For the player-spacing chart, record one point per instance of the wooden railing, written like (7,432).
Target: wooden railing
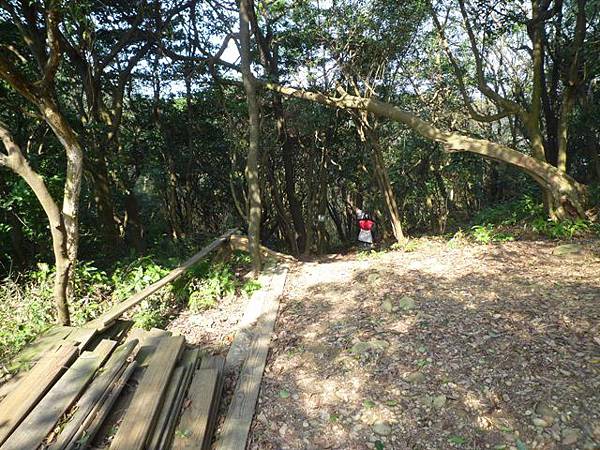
(105,320)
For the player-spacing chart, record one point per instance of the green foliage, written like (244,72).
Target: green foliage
(251,286)
(27,305)
(457,440)
(486,234)
(566,229)
(457,240)
(136,276)
(523,214)
(26,310)
(407,246)
(511,213)
(217,282)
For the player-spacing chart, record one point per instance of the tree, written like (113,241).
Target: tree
(43,42)
(543,108)
(252,174)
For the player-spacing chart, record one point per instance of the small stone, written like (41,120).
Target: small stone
(283,429)
(567,249)
(305,424)
(544,410)
(360,347)
(406,303)
(387,305)
(415,377)
(378,344)
(382,428)
(439,401)
(570,436)
(540,422)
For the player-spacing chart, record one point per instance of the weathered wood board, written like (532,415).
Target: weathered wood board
(32,387)
(143,411)
(195,428)
(236,427)
(36,426)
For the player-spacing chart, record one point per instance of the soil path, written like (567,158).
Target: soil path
(473,347)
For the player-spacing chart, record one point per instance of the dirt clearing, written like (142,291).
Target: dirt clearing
(473,347)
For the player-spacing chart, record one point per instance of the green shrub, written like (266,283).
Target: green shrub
(566,229)
(251,286)
(457,240)
(512,213)
(218,282)
(485,234)
(407,246)
(526,213)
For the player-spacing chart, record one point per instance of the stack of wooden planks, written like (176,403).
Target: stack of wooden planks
(145,390)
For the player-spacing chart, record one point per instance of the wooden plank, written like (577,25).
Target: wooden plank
(236,427)
(32,388)
(217,362)
(116,331)
(135,428)
(81,337)
(94,421)
(94,394)
(149,340)
(36,426)
(195,429)
(115,312)
(238,351)
(189,363)
(43,343)
(168,405)
(172,405)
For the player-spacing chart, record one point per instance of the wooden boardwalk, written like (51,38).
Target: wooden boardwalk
(65,398)
(134,389)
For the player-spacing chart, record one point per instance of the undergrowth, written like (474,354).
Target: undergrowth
(524,217)
(27,306)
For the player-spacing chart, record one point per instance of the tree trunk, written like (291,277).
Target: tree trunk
(284,221)
(367,135)
(104,203)
(388,193)
(134,229)
(72,190)
(252,175)
(290,176)
(15,161)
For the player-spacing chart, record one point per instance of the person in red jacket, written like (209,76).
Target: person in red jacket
(365,225)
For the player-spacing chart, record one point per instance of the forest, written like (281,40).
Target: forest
(134,133)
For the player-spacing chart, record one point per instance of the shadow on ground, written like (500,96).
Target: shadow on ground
(477,347)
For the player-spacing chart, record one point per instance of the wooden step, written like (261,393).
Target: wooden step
(32,387)
(136,427)
(196,427)
(33,430)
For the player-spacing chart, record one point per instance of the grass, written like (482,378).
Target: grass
(27,306)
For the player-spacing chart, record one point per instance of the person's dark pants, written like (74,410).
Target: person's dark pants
(365,245)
